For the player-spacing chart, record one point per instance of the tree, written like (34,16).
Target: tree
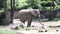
(6,13)
(51,16)
(12,10)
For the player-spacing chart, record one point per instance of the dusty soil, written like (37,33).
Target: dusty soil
(37,29)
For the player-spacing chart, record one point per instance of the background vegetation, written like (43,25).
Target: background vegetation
(42,5)
(36,4)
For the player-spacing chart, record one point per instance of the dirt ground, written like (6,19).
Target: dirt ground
(49,26)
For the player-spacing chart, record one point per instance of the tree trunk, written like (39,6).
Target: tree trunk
(51,16)
(6,13)
(12,10)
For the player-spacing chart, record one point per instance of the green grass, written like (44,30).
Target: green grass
(24,29)
(6,31)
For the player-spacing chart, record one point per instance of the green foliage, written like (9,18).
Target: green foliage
(32,2)
(48,0)
(8,4)
(45,0)
(2,10)
(57,7)
(18,4)
(23,7)
(36,4)
(47,8)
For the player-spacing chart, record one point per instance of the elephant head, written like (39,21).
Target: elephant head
(35,13)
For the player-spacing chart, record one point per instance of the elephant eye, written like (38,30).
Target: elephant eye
(36,11)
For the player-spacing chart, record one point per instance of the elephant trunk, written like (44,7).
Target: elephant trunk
(40,20)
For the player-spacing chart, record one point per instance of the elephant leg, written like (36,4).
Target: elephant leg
(23,21)
(29,22)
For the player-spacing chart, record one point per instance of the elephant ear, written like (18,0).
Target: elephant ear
(33,13)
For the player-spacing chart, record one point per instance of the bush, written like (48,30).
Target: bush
(57,7)
(23,7)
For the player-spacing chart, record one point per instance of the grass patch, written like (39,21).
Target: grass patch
(29,28)
(46,20)
(6,31)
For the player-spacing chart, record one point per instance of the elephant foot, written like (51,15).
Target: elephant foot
(22,26)
(28,25)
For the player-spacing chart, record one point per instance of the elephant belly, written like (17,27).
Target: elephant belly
(25,17)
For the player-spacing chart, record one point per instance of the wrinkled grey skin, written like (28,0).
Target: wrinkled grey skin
(27,15)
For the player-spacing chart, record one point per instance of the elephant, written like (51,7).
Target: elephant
(28,15)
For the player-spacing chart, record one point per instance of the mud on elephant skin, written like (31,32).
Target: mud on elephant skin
(27,15)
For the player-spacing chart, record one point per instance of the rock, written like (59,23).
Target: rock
(33,26)
(27,29)
(15,28)
(45,30)
(40,31)
(57,30)
(21,26)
